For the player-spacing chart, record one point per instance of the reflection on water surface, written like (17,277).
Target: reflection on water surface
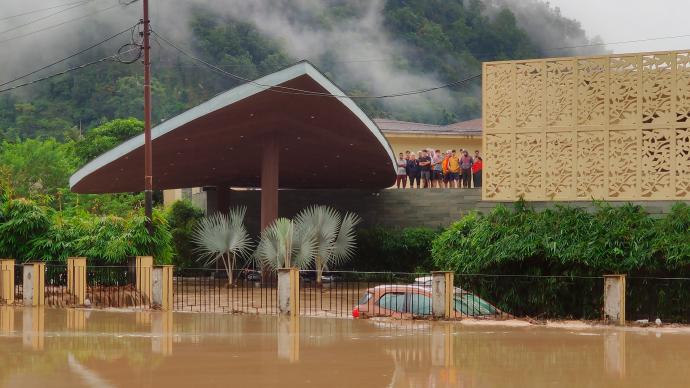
(80,348)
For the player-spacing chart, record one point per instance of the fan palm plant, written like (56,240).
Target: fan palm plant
(333,236)
(223,237)
(284,244)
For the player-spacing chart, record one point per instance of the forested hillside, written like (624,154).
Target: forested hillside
(441,40)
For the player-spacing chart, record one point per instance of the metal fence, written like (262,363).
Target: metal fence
(209,290)
(341,291)
(649,298)
(527,296)
(114,286)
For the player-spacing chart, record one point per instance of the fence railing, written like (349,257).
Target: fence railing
(525,296)
(403,295)
(649,298)
(341,291)
(209,290)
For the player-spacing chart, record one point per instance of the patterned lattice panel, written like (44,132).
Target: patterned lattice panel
(607,127)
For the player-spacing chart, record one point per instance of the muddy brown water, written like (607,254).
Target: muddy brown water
(80,348)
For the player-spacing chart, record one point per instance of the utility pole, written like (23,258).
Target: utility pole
(148,158)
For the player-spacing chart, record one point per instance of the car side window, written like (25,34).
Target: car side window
(419,304)
(393,301)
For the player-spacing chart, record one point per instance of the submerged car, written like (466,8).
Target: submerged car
(407,301)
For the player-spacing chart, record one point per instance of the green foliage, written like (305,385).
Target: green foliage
(21,221)
(564,241)
(285,244)
(182,219)
(106,136)
(29,231)
(394,249)
(38,166)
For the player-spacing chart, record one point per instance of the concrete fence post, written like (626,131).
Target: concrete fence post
(614,298)
(7,281)
(288,291)
(76,279)
(162,293)
(442,294)
(142,267)
(34,284)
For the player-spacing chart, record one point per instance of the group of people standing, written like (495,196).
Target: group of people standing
(431,168)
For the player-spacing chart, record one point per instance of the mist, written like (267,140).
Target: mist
(359,49)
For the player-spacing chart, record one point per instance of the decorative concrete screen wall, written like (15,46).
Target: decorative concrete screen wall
(611,127)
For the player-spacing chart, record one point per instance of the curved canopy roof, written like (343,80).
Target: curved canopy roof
(324,142)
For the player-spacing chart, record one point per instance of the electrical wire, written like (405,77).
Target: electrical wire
(46,17)
(40,10)
(71,56)
(60,24)
(114,57)
(295,91)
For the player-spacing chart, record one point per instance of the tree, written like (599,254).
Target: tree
(333,236)
(38,166)
(223,237)
(106,136)
(284,244)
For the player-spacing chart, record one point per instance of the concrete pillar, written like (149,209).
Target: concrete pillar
(7,281)
(142,268)
(33,286)
(270,170)
(162,292)
(76,279)
(442,298)
(614,299)
(288,291)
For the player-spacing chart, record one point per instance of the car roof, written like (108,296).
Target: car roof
(399,288)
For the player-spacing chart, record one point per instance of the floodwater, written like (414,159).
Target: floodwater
(80,348)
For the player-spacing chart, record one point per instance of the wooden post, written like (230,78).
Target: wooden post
(7,281)
(76,279)
(33,286)
(163,287)
(442,294)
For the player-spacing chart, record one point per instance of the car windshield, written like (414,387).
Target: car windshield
(365,298)
(472,305)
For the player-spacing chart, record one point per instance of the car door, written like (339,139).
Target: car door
(392,304)
(418,304)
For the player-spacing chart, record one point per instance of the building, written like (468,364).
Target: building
(406,136)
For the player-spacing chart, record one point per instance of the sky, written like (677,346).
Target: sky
(625,20)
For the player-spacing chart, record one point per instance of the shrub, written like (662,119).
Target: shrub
(182,218)
(564,241)
(391,249)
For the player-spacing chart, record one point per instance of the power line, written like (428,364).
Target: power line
(71,56)
(619,42)
(40,10)
(59,24)
(69,70)
(45,17)
(295,91)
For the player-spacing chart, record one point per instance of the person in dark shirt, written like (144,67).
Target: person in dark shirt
(425,168)
(413,171)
